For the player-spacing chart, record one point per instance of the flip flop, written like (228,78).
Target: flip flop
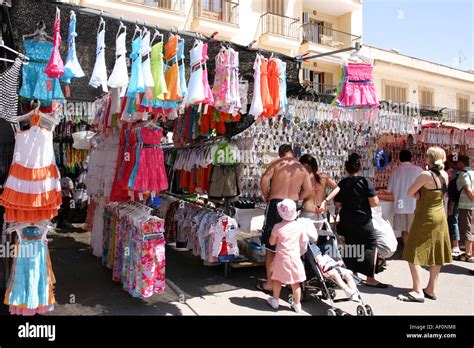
(379,285)
(408,297)
(431,297)
(260,287)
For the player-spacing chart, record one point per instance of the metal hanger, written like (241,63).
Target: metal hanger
(155,35)
(40,33)
(101,25)
(137,30)
(121,26)
(2,45)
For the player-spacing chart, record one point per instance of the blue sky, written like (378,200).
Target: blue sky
(435,30)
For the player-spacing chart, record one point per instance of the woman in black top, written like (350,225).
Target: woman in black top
(356,197)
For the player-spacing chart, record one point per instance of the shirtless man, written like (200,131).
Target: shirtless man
(289,180)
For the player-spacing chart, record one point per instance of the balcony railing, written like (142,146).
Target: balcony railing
(170,5)
(219,10)
(324,88)
(448,115)
(329,37)
(276,24)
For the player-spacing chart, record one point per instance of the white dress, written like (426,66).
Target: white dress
(99,74)
(256,108)
(146,66)
(119,76)
(196,84)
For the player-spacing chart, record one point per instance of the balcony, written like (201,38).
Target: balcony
(333,7)
(450,115)
(279,33)
(169,5)
(335,39)
(220,16)
(324,89)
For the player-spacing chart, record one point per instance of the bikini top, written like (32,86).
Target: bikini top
(444,187)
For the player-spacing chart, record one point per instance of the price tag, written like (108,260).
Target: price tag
(49,85)
(67,90)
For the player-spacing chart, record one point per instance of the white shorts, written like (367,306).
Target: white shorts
(402,222)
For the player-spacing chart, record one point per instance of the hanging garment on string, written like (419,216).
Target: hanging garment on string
(264,89)
(35,82)
(137,84)
(119,76)
(9,83)
(33,189)
(99,74)
(72,68)
(256,108)
(160,87)
(55,67)
(196,93)
(172,71)
(357,89)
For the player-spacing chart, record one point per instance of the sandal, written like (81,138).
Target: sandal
(260,287)
(431,297)
(410,297)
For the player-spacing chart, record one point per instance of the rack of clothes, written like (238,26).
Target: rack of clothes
(134,248)
(270,89)
(140,163)
(210,168)
(206,231)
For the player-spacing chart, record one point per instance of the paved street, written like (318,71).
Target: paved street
(84,287)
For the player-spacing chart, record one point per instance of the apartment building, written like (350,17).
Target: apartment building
(296,27)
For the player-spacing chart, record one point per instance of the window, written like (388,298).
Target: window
(425,98)
(321,81)
(396,92)
(276,6)
(212,9)
(463,105)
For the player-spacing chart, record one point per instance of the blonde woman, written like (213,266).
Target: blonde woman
(428,242)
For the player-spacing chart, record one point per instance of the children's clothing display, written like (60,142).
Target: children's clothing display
(33,190)
(208,234)
(35,83)
(134,248)
(196,84)
(357,88)
(172,72)
(157,71)
(31,283)
(72,67)
(9,83)
(55,67)
(119,76)
(99,74)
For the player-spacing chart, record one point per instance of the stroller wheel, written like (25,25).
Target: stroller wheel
(331,313)
(361,311)
(369,310)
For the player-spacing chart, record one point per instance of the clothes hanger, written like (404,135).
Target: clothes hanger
(137,30)
(155,35)
(101,25)
(40,33)
(2,45)
(121,26)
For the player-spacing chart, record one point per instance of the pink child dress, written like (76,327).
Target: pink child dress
(55,67)
(287,266)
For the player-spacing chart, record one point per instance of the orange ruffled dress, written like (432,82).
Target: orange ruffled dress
(264,89)
(33,189)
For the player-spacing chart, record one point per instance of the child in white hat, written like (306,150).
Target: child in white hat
(287,266)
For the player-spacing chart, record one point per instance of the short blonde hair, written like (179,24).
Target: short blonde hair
(436,157)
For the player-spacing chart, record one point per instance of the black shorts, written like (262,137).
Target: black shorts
(272,217)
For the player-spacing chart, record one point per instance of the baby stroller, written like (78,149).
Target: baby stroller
(322,286)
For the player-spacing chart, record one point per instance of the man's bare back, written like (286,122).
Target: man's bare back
(287,176)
